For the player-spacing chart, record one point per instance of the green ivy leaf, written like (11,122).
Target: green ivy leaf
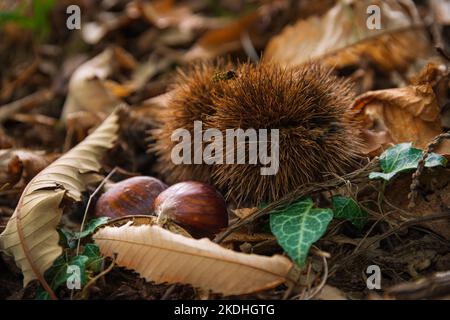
(95,261)
(61,274)
(347,209)
(41,294)
(403,157)
(57,275)
(90,227)
(68,239)
(38,20)
(298,226)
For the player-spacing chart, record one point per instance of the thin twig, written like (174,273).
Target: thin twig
(403,225)
(430,287)
(355,177)
(322,283)
(168,292)
(248,47)
(33,100)
(94,280)
(89,203)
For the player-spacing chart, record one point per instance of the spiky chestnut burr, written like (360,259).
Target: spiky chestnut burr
(308,104)
(191,100)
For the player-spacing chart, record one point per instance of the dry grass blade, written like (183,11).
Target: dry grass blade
(30,235)
(162,256)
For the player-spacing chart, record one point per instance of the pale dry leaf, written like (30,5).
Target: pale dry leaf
(87,91)
(140,76)
(166,13)
(145,71)
(247,237)
(222,40)
(441,11)
(94,31)
(330,293)
(16,164)
(435,186)
(242,213)
(30,235)
(341,37)
(162,256)
(391,116)
(151,108)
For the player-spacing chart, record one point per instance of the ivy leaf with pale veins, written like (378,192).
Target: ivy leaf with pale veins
(298,226)
(95,260)
(61,271)
(346,208)
(90,227)
(403,157)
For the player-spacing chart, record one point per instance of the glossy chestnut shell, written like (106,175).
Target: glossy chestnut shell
(195,206)
(130,197)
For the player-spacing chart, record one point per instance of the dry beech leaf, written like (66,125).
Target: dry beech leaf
(5,141)
(435,186)
(166,13)
(341,37)
(222,40)
(242,213)
(330,293)
(409,114)
(93,32)
(246,237)
(91,90)
(162,256)
(145,71)
(441,11)
(16,164)
(30,235)
(163,13)
(151,108)
(87,91)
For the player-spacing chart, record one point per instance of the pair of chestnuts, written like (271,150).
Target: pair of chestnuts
(195,206)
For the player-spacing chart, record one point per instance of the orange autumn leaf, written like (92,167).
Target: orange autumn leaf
(341,37)
(391,116)
(222,40)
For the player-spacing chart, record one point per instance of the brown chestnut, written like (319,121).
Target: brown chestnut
(129,197)
(195,206)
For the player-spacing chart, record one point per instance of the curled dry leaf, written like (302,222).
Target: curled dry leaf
(16,164)
(151,108)
(162,256)
(30,235)
(242,213)
(441,11)
(342,37)
(166,13)
(5,141)
(409,114)
(87,90)
(434,199)
(94,31)
(222,40)
(330,293)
